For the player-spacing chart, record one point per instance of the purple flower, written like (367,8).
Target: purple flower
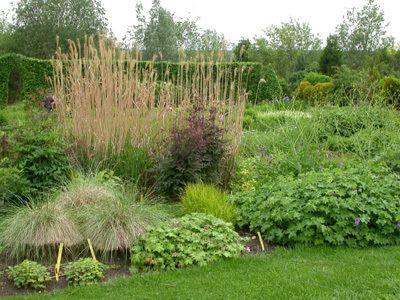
(248,249)
(334,192)
(398,224)
(276,100)
(356,190)
(221,117)
(139,234)
(321,167)
(175,254)
(357,221)
(341,164)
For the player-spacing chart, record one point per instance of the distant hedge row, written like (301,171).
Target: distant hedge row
(33,74)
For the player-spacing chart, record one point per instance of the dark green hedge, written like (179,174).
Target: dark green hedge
(34,72)
(33,75)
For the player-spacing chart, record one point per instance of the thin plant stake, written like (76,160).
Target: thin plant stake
(261,241)
(91,250)
(57,268)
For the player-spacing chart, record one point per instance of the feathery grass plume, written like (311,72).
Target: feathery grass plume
(36,230)
(109,97)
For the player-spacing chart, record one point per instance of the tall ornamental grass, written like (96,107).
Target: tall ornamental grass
(109,99)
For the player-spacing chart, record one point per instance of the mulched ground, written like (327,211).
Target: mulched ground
(117,270)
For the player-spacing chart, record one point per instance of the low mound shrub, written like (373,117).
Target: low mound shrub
(208,199)
(315,78)
(314,94)
(85,271)
(339,205)
(195,239)
(29,274)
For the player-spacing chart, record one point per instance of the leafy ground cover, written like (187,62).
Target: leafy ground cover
(300,273)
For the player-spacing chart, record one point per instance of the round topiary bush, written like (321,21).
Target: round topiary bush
(355,206)
(195,239)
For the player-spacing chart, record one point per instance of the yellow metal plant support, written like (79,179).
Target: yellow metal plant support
(91,250)
(261,241)
(57,268)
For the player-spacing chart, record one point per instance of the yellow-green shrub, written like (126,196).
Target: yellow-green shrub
(391,90)
(208,199)
(314,93)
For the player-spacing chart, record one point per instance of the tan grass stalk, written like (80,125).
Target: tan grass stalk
(106,98)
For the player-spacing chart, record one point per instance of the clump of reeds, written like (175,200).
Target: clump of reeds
(108,98)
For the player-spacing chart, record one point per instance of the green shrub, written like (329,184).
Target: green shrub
(84,272)
(29,274)
(208,199)
(194,152)
(351,87)
(195,239)
(13,184)
(314,94)
(37,152)
(315,78)
(391,90)
(304,90)
(355,206)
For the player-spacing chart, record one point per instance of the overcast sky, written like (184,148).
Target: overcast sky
(246,18)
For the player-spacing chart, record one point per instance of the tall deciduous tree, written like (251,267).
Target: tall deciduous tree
(7,42)
(162,33)
(291,41)
(38,22)
(331,56)
(362,32)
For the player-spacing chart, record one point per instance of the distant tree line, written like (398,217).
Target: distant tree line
(359,43)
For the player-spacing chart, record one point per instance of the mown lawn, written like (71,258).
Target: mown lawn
(299,273)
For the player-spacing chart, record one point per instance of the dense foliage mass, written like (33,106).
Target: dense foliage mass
(29,274)
(84,272)
(195,239)
(208,199)
(194,152)
(340,205)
